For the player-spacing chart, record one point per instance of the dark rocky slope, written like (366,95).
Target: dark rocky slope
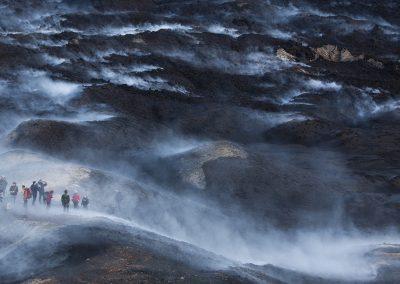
(290,109)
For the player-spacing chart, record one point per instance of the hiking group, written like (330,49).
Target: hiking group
(37,192)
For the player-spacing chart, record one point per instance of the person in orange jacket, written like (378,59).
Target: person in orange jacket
(76,198)
(48,196)
(27,194)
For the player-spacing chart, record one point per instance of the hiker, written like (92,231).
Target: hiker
(27,194)
(76,198)
(85,202)
(13,191)
(34,190)
(41,185)
(48,197)
(3,187)
(65,201)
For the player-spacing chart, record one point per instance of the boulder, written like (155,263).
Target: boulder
(284,55)
(328,52)
(346,56)
(112,140)
(333,53)
(190,166)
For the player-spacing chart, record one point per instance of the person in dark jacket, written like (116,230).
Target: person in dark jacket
(13,191)
(41,185)
(34,190)
(65,199)
(85,202)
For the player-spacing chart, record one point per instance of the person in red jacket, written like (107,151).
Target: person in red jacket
(27,194)
(48,197)
(76,198)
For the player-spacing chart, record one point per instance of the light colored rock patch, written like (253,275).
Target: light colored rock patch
(335,54)
(284,55)
(192,170)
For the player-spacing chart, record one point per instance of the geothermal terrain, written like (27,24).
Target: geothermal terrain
(252,141)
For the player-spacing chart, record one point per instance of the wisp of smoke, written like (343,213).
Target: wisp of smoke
(57,90)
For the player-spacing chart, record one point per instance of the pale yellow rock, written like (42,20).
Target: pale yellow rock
(192,170)
(333,53)
(284,55)
(328,52)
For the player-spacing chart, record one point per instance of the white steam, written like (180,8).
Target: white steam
(219,29)
(323,86)
(325,253)
(285,35)
(367,107)
(252,63)
(133,30)
(53,60)
(57,90)
(144,83)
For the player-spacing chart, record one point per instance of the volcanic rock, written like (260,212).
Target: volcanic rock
(375,63)
(191,165)
(308,132)
(335,54)
(64,139)
(284,55)
(281,131)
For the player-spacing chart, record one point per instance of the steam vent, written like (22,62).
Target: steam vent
(199,141)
